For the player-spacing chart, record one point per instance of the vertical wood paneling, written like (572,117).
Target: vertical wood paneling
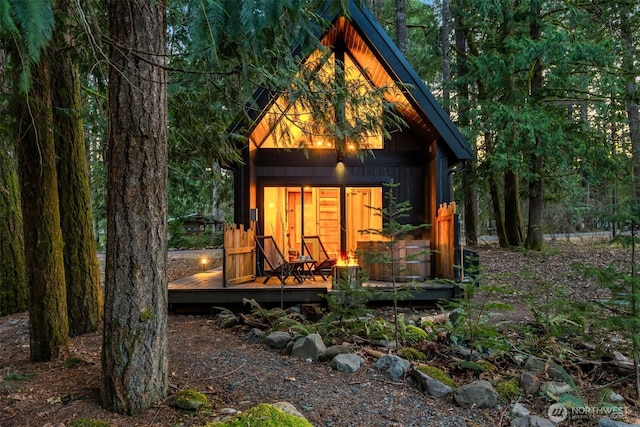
(239,254)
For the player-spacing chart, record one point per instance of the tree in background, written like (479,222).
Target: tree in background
(134,350)
(48,324)
(13,283)
(31,107)
(84,293)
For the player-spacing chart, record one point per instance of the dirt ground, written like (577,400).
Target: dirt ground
(236,374)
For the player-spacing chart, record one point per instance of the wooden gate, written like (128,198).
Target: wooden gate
(445,241)
(239,254)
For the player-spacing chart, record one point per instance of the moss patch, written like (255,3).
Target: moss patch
(189,399)
(508,390)
(263,415)
(437,374)
(411,353)
(414,334)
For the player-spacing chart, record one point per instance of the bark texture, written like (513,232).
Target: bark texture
(134,351)
(48,324)
(13,282)
(84,293)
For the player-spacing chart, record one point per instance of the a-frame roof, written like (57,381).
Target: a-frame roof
(369,44)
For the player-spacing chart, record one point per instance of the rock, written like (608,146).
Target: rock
(387,344)
(277,339)
(529,383)
(532,421)
(228,411)
(608,422)
(518,410)
(188,399)
(552,369)
(226,320)
(288,408)
(612,396)
(478,394)
(396,367)
(347,362)
(255,335)
(335,350)
(309,347)
(432,386)
(556,388)
(467,353)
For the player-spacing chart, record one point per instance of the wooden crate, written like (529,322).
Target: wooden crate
(412,260)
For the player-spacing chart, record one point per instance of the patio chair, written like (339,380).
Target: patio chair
(313,246)
(274,262)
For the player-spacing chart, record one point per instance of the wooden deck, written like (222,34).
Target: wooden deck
(204,291)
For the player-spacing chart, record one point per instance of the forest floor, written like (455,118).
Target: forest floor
(238,375)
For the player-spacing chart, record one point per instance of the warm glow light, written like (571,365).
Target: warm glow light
(347,261)
(204,261)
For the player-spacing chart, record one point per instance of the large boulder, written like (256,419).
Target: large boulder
(478,394)
(347,362)
(431,385)
(309,347)
(278,339)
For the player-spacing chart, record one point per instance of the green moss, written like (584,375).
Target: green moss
(414,334)
(508,390)
(411,353)
(83,422)
(437,374)
(488,366)
(147,314)
(189,399)
(72,361)
(263,415)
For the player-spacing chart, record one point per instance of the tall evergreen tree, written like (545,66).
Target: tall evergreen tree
(84,293)
(48,324)
(13,283)
(134,350)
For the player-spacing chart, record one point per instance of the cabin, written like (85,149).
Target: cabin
(293,183)
(321,191)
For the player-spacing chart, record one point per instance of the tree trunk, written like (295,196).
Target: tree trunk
(84,294)
(535,238)
(633,113)
(402,38)
(134,351)
(497,212)
(512,213)
(13,283)
(469,174)
(446,56)
(48,324)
